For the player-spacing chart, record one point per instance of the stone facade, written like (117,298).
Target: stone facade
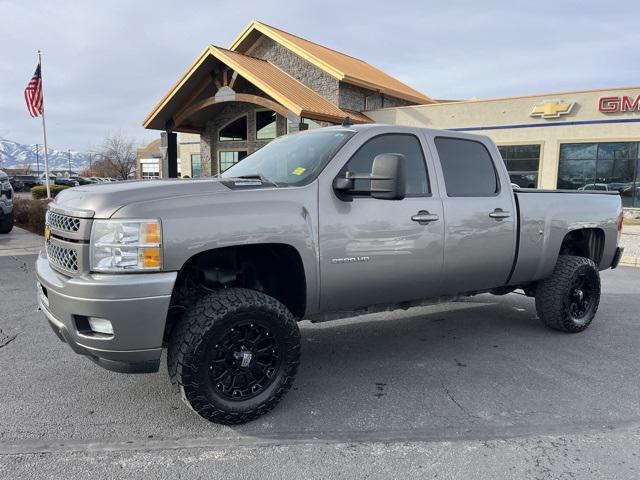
(303,71)
(361,99)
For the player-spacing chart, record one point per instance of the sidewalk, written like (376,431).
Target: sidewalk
(20,242)
(631,242)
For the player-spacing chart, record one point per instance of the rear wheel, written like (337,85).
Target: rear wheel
(234,355)
(568,300)
(6,223)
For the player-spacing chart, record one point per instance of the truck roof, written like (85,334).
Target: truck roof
(404,128)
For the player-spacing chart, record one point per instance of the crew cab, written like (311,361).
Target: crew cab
(316,225)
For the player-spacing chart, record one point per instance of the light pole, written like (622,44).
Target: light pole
(69,153)
(38,159)
(92,155)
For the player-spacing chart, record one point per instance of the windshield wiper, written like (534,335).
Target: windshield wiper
(258,176)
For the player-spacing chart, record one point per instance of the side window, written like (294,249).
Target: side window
(467,167)
(405,144)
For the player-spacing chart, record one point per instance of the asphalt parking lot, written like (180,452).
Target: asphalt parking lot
(474,389)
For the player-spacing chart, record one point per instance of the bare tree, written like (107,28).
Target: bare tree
(119,151)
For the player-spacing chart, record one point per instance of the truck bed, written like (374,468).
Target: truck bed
(545,217)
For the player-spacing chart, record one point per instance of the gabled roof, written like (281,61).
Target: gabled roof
(276,83)
(279,85)
(343,67)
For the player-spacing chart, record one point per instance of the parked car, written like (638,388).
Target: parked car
(28,181)
(6,203)
(322,224)
(595,186)
(69,182)
(82,180)
(16,183)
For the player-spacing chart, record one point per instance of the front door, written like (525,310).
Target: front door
(376,251)
(481,217)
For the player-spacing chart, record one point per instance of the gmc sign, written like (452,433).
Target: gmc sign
(624,103)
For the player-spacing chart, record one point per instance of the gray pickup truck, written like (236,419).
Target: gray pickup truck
(317,225)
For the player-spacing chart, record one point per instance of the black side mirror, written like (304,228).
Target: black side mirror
(387,177)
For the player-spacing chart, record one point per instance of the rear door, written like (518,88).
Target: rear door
(479,212)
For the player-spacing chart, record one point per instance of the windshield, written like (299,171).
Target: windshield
(291,160)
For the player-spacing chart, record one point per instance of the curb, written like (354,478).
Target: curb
(16,252)
(630,261)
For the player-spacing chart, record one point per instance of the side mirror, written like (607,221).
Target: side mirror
(345,183)
(387,177)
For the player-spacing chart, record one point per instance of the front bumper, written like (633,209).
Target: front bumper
(135,304)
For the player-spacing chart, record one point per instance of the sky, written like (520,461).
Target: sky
(106,64)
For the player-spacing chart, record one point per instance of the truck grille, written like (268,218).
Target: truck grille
(63,258)
(63,222)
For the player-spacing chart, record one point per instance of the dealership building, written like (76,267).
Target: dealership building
(270,82)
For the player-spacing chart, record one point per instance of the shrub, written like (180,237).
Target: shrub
(30,213)
(41,191)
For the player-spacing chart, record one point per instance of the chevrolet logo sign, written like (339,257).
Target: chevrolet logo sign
(551,109)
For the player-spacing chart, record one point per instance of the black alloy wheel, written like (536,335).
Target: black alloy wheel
(244,361)
(234,355)
(568,299)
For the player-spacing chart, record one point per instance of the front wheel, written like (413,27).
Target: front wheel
(568,299)
(6,223)
(234,355)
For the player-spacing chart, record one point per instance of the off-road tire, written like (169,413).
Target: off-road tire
(554,295)
(206,322)
(6,223)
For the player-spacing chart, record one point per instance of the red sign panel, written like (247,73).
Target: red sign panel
(623,103)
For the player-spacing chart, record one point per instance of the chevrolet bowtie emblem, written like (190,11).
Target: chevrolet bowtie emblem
(551,109)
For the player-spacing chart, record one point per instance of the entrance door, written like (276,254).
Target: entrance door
(480,214)
(376,251)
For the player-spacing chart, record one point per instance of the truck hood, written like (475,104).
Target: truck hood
(105,199)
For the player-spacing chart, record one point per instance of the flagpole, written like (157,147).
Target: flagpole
(44,131)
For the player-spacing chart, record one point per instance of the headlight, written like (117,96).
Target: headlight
(126,245)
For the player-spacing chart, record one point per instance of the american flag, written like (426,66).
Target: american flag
(33,94)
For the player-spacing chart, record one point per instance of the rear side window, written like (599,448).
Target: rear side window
(467,167)
(405,144)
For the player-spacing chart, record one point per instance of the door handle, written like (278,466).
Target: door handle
(423,217)
(499,214)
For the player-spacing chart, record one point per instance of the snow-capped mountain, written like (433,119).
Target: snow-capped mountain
(16,155)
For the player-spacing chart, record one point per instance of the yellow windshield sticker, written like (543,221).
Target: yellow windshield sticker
(299,171)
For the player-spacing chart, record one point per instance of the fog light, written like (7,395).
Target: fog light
(101,325)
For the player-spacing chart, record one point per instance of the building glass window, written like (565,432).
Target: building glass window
(150,170)
(611,166)
(522,162)
(196,165)
(234,131)
(228,158)
(265,125)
